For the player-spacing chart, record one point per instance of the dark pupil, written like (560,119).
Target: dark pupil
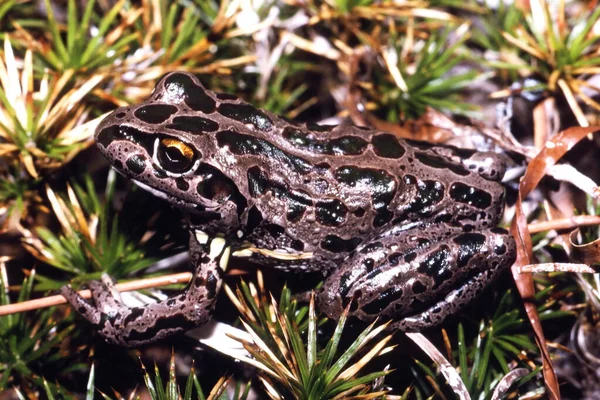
(173,160)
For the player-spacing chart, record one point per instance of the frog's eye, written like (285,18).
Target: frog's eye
(173,155)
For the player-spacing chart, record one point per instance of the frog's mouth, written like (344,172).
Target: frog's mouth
(158,193)
(174,200)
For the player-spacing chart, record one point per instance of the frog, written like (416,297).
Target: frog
(401,230)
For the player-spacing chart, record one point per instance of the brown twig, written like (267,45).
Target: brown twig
(56,300)
(564,223)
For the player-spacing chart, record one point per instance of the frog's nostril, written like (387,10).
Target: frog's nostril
(136,163)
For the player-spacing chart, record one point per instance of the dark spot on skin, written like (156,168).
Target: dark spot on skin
(241,144)
(120,115)
(500,249)
(470,245)
(218,187)
(126,133)
(418,144)
(211,285)
(226,96)
(254,218)
(171,302)
(200,281)
(103,319)
(429,193)
(359,212)
(323,166)
(445,217)
(205,260)
(386,145)
(108,135)
(410,180)
(331,212)
(297,201)
(136,164)
(298,245)
(468,228)
(437,265)
(194,125)
(369,263)
(354,304)
(410,257)
(320,128)
(118,164)
(345,145)
(155,113)
(182,184)
(170,323)
(418,287)
(372,247)
(394,259)
(463,153)
(440,163)
(336,244)
(135,313)
(473,217)
(179,85)
(247,114)
(470,195)
(382,301)
(379,183)
(382,218)
(275,230)
(475,274)
(499,231)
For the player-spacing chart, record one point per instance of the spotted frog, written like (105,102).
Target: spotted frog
(404,230)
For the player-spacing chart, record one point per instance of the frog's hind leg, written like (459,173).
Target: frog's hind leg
(133,326)
(417,278)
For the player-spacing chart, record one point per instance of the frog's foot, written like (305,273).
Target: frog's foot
(450,304)
(104,294)
(417,279)
(134,326)
(488,164)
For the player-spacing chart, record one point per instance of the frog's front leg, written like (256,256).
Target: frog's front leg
(417,278)
(134,326)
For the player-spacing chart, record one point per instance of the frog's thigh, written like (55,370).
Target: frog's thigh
(417,278)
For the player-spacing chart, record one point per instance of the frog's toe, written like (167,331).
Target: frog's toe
(488,164)
(89,312)
(109,286)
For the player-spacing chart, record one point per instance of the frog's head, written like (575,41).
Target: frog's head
(163,145)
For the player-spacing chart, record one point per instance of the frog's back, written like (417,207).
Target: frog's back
(303,188)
